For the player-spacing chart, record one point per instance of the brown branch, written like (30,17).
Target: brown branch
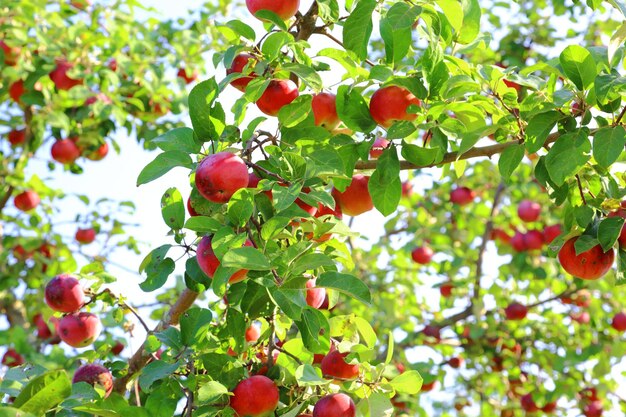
(141,357)
(580,189)
(620,117)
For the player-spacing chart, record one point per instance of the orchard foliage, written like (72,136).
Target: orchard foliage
(500,172)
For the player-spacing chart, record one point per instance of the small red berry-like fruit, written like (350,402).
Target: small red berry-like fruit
(98,154)
(422,255)
(335,405)
(64,294)
(85,236)
(220,175)
(93,374)
(11,54)
(253,333)
(334,366)
(429,386)
(407,189)
(16,90)
(593,409)
(188,77)
(549,407)
(456,362)
(462,196)
(79,329)
(619,322)
(581,318)
(432,331)
(516,311)
(589,394)
(237,66)
(533,239)
(11,358)
(285,9)
(278,93)
(378,147)
(390,104)
(208,262)
(552,232)
(356,198)
(314,295)
(60,78)
(529,211)
(446,289)
(65,151)
(43,330)
(117,348)
(528,404)
(591,264)
(325,110)
(27,200)
(17,137)
(256,396)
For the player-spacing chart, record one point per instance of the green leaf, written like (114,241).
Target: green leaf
(620,275)
(311,261)
(173,209)
(408,382)
(307,375)
(567,156)
(471,22)
(44,392)
(539,127)
(203,224)
(13,412)
(358,28)
(608,145)
(207,121)
(314,329)
(347,284)
(194,325)
(241,207)
(295,112)
(179,139)
(609,230)
(578,65)
(210,392)
(157,267)
(328,10)
(156,371)
(308,75)
(242,29)
(616,41)
(384,185)
(420,156)
(274,43)
(353,110)
(395,33)
(246,258)
(584,243)
(162,164)
(619,5)
(510,160)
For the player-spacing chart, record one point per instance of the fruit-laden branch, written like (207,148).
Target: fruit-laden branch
(450,157)
(141,357)
(28,134)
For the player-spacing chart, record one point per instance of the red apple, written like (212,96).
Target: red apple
(390,104)
(593,409)
(334,366)
(334,405)
(85,236)
(501,236)
(529,211)
(552,232)
(256,396)
(549,407)
(238,65)
(619,322)
(27,200)
(80,4)
(456,362)
(462,196)
(17,137)
(43,330)
(285,9)
(93,374)
(60,78)
(591,264)
(208,262)
(65,151)
(378,147)
(422,255)
(190,209)
(16,90)
(528,403)
(533,239)
(407,189)
(621,213)
(429,387)
(79,329)
(185,75)
(314,295)
(432,331)
(516,311)
(278,93)
(581,318)
(11,54)
(220,175)
(446,289)
(508,83)
(11,358)
(356,198)
(589,394)
(98,154)
(253,333)
(117,348)
(64,294)
(325,110)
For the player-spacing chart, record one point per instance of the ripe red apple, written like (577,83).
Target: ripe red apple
(93,374)
(589,394)
(11,54)
(314,295)
(533,239)
(190,209)
(98,154)
(581,318)
(619,322)
(455,362)
(378,147)
(65,151)
(334,366)
(334,405)
(429,387)
(17,137)
(220,175)
(516,311)
(16,90)
(390,104)
(285,9)
(407,189)
(552,232)
(117,348)
(501,236)
(528,210)
(462,196)
(528,404)
(79,329)
(590,265)
(252,333)
(27,200)
(43,330)
(238,65)
(356,198)
(208,262)
(60,78)
(98,97)
(621,213)
(446,289)
(278,93)
(422,255)
(112,64)
(256,396)
(432,331)
(185,75)
(85,236)
(325,110)
(593,409)
(11,358)
(64,294)
(80,4)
